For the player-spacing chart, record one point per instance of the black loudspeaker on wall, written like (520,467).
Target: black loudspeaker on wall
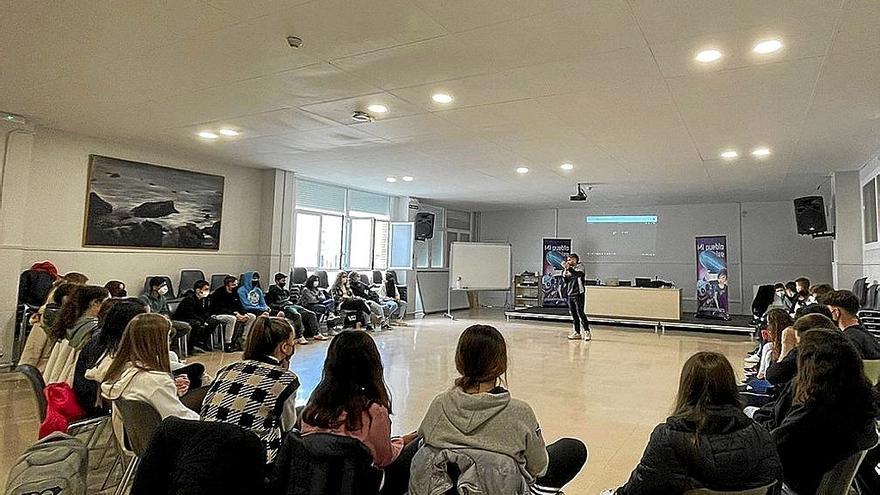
(809,212)
(424,225)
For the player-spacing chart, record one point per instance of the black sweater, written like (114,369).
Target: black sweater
(782,372)
(867,345)
(191,308)
(225,303)
(732,453)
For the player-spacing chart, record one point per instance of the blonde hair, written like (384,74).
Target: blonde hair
(144,345)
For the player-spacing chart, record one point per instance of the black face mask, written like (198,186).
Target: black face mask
(256,282)
(282,283)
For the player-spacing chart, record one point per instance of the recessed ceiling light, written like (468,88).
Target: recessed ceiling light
(522,170)
(729,154)
(441,98)
(708,56)
(407,178)
(390,179)
(767,46)
(566,166)
(228,132)
(208,135)
(762,151)
(377,108)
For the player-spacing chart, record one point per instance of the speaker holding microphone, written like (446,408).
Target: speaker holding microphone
(809,212)
(424,226)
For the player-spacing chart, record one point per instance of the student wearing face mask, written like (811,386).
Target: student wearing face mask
(314,299)
(305,322)
(195,310)
(157,302)
(227,308)
(844,306)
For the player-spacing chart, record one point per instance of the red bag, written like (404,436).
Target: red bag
(61,408)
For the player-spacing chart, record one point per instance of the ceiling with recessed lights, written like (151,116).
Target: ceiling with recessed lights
(613,87)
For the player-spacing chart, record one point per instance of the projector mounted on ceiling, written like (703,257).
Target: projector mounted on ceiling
(581,194)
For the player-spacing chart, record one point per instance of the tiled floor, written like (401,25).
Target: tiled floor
(610,392)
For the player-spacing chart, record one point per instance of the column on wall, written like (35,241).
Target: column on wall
(276,232)
(847,263)
(15,158)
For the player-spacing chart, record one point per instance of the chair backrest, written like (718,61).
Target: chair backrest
(840,477)
(217,280)
(761,490)
(323,280)
(326,464)
(872,370)
(188,278)
(169,295)
(377,277)
(871,297)
(299,276)
(140,420)
(860,289)
(365,279)
(37,383)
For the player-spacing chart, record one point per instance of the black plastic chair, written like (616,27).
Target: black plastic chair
(378,279)
(323,279)
(140,421)
(298,276)
(169,295)
(35,380)
(365,279)
(188,278)
(217,280)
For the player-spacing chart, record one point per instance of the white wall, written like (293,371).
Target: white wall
(762,242)
(56,210)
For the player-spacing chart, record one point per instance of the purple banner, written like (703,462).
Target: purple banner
(553,285)
(712,277)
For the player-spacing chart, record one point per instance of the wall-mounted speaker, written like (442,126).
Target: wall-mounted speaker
(424,226)
(809,212)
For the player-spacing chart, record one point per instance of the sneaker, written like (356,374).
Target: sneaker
(302,341)
(587,336)
(386,326)
(402,323)
(228,347)
(370,328)
(321,336)
(574,335)
(335,332)
(753,359)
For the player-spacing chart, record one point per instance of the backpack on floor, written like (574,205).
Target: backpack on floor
(56,465)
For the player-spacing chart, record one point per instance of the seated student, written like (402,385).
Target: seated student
(346,300)
(258,393)
(116,289)
(141,370)
(826,414)
(755,392)
(779,294)
(802,285)
(314,299)
(791,297)
(226,308)
(707,442)
(100,350)
(378,311)
(352,400)
(388,291)
(479,413)
(844,306)
(305,321)
(39,344)
(195,311)
(155,298)
(72,330)
(784,369)
(817,291)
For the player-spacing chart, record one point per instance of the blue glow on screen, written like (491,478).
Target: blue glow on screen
(621,218)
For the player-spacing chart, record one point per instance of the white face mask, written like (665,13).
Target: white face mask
(203,294)
(163,290)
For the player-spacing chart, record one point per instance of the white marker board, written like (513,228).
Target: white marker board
(481,266)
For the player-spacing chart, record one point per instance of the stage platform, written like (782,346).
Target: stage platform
(737,324)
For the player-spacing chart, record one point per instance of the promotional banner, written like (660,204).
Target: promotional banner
(555,252)
(712,278)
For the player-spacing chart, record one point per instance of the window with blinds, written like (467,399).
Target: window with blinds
(368,204)
(317,196)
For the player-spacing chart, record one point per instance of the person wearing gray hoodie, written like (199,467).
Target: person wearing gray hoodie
(477,413)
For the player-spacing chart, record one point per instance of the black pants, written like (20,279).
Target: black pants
(576,307)
(397,473)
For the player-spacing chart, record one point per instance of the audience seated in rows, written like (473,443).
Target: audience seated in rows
(817,292)
(158,303)
(259,392)
(305,320)
(379,312)
(72,330)
(844,306)
(227,308)
(784,369)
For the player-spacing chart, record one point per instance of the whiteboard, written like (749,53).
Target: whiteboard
(481,266)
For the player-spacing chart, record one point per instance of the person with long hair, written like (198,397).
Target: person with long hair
(707,442)
(827,413)
(389,291)
(72,330)
(345,299)
(258,393)
(479,413)
(784,369)
(353,400)
(101,348)
(379,313)
(40,342)
(141,370)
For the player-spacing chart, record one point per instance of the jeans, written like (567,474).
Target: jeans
(376,309)
(309,321)
(229,322)
(576,307)
(390,306)
(401,310)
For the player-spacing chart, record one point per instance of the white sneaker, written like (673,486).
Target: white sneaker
(753,359)
(302,341)
(587,335)
(574,335)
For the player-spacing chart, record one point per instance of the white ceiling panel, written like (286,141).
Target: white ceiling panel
(463,15)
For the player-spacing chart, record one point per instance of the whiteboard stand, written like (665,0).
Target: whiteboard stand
(478,266)
(448,313)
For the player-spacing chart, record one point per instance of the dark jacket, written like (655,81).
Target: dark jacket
(193,309)
(811,438)
(87,391)
(867,345)
(574,280)
(224,303)
(324,463)
(201,458)
(362,290)
(782,372)
(733,453)
(278,297)
(34,287)
(156,302)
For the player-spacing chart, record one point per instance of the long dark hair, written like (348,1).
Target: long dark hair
(351,382)
(391,284)
(112,326)
(777,320)
(311,280)
(831,373)
(481,356)
(707,380)
(265,335)
(77,303)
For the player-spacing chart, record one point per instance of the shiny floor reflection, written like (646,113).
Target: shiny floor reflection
(610,392)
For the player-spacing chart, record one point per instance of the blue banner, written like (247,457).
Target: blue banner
(712,277)
(553,285)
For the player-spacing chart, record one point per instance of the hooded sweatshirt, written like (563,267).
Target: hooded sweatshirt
(490,421)
(252,298)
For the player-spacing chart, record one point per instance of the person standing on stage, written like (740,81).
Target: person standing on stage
(573,271)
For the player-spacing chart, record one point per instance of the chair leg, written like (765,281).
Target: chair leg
(127,476)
